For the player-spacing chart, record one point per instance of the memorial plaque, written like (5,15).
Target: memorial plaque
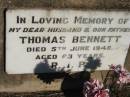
(40,41)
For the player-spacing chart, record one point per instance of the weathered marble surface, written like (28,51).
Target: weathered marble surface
(19,83)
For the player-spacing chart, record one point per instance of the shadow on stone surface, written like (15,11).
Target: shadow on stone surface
(50,73)
(72,84)
(43,67)
(92,63)
(76,80)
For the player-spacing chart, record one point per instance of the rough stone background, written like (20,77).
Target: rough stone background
(31,82)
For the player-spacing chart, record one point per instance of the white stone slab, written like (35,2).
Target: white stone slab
(37,40)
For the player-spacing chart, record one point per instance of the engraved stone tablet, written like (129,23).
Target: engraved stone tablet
(40,41)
